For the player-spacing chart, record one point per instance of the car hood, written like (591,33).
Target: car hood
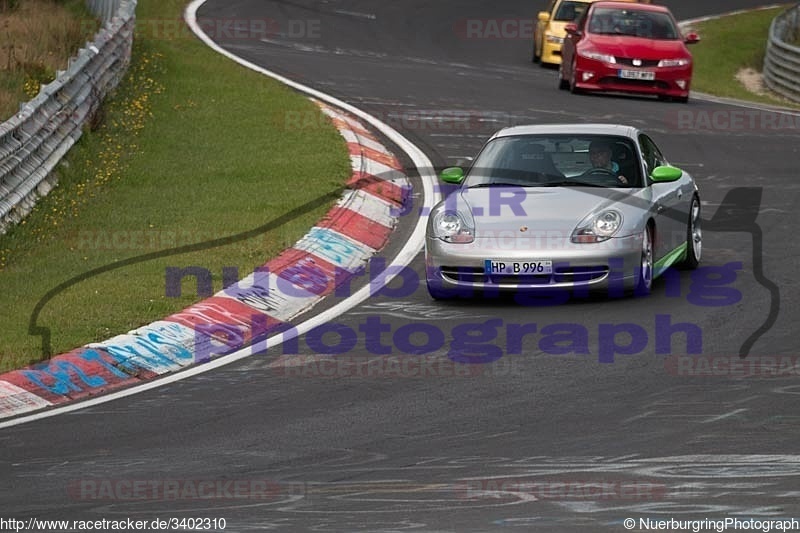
(636,47)
(500,210)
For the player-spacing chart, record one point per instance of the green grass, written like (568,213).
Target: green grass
(191,147)
(728,45)
(37,38)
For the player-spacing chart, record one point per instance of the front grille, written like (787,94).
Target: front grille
(509,279)
(465,274)
(579,274)
(655,84)
(646,63)
(560,275)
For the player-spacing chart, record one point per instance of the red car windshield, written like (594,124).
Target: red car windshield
(633,23)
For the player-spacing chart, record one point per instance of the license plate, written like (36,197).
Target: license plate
(637,74)
(537,266)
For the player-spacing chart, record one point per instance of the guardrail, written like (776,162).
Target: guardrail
(782,60)
(34,140)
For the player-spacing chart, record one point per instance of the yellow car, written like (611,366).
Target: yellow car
(548,35)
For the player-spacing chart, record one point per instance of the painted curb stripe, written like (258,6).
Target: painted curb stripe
(178,334)
(223,325)
(376,168)
(308,271)
(384,158)
(77,374)
(357,227)
(370,206)
(153,352)
(343,121)
(351,137)
(274,296)
(16,401)
(337,249)
(395,191)
(344,124)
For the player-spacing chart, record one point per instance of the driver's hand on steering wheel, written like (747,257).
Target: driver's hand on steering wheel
(622,179)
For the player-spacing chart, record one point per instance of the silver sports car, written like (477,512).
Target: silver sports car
(577,207)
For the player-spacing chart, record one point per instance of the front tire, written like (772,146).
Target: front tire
(694,236)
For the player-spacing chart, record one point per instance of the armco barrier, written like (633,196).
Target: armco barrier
(782,60)
(104,9)
(34,140)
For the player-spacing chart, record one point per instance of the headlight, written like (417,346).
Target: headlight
(598,227)
(674,62)
(554,39)
(597,56)
(453,226)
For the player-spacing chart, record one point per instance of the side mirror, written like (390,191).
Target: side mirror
(666,173)
(452,175)
(691,38)
(571,28)
(544,16)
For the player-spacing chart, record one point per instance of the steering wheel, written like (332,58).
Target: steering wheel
(600,170)
(605,176)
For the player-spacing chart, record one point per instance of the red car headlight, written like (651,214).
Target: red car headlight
(681,62)
(597,56)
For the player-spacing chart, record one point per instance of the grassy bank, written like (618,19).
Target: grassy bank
(38,37)
(729,45)
(192,148)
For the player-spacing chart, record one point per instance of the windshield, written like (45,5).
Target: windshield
(632,22)
(556,160)
(569,11)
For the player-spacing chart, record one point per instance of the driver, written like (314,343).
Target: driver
(600,155)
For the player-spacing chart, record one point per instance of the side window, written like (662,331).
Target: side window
(651,154)
(658,159)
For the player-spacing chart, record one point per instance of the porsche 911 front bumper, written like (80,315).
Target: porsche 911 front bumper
(612,266)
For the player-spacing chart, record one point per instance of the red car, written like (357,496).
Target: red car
(637,48)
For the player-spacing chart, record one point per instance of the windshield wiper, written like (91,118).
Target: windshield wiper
(500,184)
(573,183)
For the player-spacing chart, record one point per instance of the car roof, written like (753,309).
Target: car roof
(569,129)
(630,5)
